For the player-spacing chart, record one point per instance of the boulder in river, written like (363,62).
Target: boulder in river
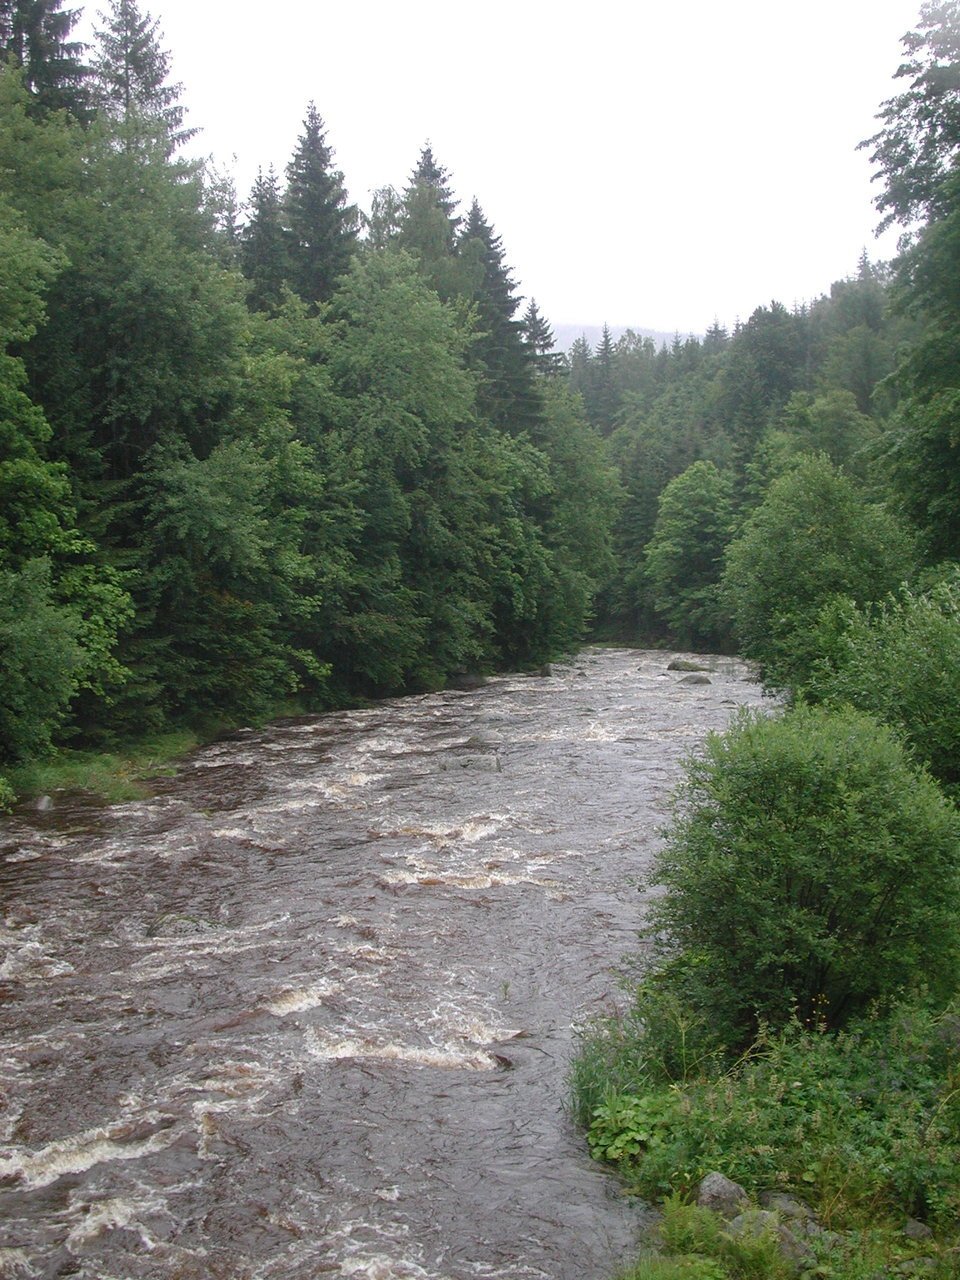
(686,664)
(696,679)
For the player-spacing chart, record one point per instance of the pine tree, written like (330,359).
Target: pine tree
(35,33)
(507,393)
(538,336)
(430,174)
(263,245)
(605,400)
(131,72)
(429,226)
(322,227)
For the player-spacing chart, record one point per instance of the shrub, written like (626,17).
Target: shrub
(900,662)
(809,870)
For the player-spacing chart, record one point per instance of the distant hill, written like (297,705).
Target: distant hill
(567,334)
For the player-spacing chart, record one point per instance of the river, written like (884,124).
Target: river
(308,1010)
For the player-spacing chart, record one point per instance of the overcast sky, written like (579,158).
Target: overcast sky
(659,165)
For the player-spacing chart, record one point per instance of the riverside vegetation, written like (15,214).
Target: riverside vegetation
(291,453)
(794,1020)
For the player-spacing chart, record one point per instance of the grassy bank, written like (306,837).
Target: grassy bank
(114,776)
(862,1125)
(123,773)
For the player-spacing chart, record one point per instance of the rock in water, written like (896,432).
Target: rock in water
(684,664)
(696,679)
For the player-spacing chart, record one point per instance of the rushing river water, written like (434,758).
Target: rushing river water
(308,1010)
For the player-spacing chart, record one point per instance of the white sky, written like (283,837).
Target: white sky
(659,164)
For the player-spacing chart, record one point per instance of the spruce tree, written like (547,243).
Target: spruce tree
(263,245)
(322,226)
(429,226)
(36,34)
(538,336)
(507,392)
(430,174)
(131,71)
(604,401)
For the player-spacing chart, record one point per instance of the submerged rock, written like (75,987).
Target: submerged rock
(696,679)
(685,664)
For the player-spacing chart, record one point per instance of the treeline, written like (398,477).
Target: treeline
(253,453)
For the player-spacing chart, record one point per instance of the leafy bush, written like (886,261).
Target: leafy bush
(813,536)
(900,662)
(809,870)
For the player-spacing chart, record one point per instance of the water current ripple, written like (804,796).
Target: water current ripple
(307,1011)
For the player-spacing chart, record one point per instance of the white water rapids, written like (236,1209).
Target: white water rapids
(309,1010)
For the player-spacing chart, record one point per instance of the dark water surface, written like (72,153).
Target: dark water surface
(308,1010)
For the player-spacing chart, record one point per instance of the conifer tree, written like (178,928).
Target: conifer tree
(430,174)
(429,226)
(604,401)
(36,33)
(263,245)
(131,71)
(538,336)
(507,394)
(322,226)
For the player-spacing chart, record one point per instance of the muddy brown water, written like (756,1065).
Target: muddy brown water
(309,1010)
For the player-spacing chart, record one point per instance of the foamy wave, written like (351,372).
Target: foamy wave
(29,960)
(15,1263)
(446,1057)
(296,1001)
(475,880)
(111,1215)
(82,1151)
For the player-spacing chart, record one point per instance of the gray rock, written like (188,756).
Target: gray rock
(718,1193)
(915,1230)
(684,664)
(696,679)
(786,1206)
(758,1222)
(43,804)
(465,681)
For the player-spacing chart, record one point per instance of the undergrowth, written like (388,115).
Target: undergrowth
(862,1124)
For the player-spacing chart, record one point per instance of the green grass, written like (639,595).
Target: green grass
(114,776)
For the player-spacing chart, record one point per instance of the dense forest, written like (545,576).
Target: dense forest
(275,449)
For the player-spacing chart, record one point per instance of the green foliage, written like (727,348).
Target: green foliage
(917,146)
(813,536)
(901,663)
(863,1124)
(809,870)
(684,558)
(40,660)
(320,224)
(677,1268)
